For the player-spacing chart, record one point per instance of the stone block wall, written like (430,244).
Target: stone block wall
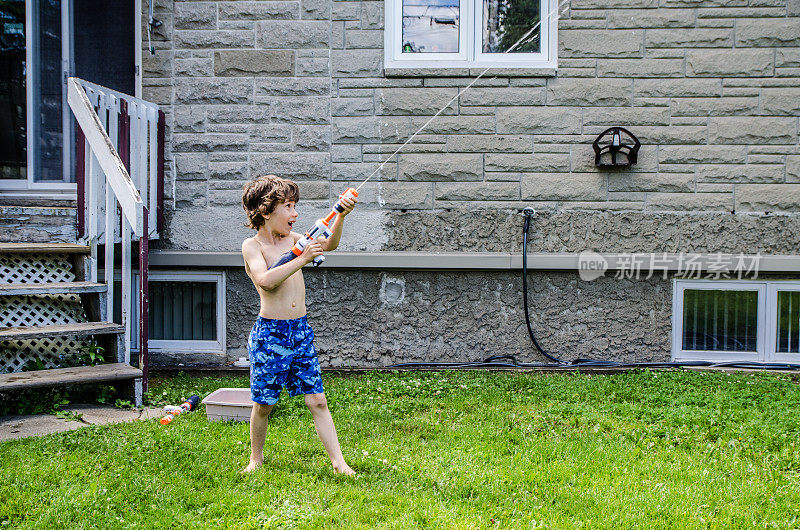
(297,88)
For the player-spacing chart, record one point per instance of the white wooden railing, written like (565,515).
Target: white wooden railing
(113,127)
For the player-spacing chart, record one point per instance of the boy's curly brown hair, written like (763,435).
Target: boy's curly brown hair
(262,194)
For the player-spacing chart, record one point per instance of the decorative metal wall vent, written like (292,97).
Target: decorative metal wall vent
(616,147)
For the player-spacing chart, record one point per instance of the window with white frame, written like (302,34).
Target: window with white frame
(464,33)
(186,311)
(722,320)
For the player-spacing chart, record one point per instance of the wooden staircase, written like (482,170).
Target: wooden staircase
(51,314)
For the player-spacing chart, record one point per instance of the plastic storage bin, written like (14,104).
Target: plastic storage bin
(228,404)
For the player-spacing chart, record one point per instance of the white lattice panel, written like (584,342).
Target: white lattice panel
(39,310)
(35,268)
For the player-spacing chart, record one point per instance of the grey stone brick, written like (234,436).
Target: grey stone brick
(352,107)
(539,120)
(584,92)
(752,130)
(311,137)
(356,130)
(617,4)
(211,39)
(724,106)
(477,191)
(600,43)
(668,88)
(502,96)
(454,124)
(258,10)
(346,11)
(406,195)
(316,9)
(311,190)
(738,173)
(194,67)
(793,8)
(310,110)
(626,116)
(363,38)
(736,62)
(189,119)
(191,193)
(372,15)
(312,66)
(293,34)
(160,95)
(346,153)
(661,182)
(196,15)
(531,162)
(793,168)
(258,63)
(230,114)
(689,38)
(356,63)
(231,172)
(271,132)
(564,186)
(640,68)
(197,90)
(182,142)
(700,154)
(192,166)
(292,87)
(360,171)
(768,197)
(301,166)
(414,101)
(706,202)
(782,101)
(440,167)
(158,65)
(768,32)
(483,143)
(650,18)
(225,197)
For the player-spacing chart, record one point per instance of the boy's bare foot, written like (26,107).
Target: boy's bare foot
(252,466)
(343,469)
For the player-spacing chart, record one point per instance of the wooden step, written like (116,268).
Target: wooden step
(66,376)
(43,248)
(60,330)
(52,288)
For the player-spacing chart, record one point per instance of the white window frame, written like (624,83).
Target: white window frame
(772,328)
(766,320)
(470,37)
(182,346)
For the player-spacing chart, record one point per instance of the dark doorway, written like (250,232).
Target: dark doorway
(103,43)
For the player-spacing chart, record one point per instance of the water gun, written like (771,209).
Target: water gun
(173,411)
(320,229)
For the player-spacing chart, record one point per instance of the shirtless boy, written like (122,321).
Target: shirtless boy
(281,343)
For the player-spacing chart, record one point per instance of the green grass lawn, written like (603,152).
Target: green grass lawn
(449,449)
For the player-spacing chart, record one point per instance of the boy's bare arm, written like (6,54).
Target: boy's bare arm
(336,230)
(271,278)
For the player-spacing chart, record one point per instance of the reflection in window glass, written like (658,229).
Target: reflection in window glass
(788,322)
(505,22)
(13,141)
(47,92)
(430,26)
(719,320)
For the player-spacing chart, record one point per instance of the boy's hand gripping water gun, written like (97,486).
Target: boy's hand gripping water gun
(321,228)
(173,411)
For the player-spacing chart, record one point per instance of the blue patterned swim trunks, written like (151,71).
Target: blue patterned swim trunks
(282,353)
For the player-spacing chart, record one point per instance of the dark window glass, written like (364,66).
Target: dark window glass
(788,322)
(13,109)
(720,320)
(510,22)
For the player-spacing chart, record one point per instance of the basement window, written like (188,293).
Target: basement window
(756,321)
(470,33)
(186,311)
